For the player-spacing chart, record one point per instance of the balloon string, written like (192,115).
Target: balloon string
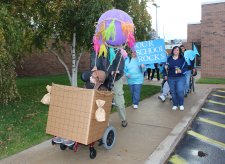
(113,60)
(95,58)
(114,78)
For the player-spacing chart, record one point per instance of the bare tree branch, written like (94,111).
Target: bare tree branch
(62,62)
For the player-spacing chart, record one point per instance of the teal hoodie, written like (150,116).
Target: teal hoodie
(135,71)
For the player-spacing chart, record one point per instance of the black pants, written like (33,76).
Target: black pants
(153,73)
(149,72)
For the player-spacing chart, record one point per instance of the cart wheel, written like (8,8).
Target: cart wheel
(93,153)
(109,137)
(62,146)
(71,147)
(53,143)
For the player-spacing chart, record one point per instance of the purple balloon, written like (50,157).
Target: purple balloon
(118,15)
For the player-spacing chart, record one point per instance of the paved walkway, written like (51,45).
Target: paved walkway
(152,131)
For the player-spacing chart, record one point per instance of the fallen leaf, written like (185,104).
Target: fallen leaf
(30,115)
(9,128)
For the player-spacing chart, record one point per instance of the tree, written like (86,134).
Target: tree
(12,44)
(24,24)
(8,90)
(138,11)
(72,22)
(67,22)
(142,20)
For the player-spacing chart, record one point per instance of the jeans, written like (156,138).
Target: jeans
(135,92)
(177,85)
(187,84)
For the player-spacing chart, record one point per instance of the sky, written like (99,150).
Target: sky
(173,16)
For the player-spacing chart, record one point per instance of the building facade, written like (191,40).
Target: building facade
(209,37)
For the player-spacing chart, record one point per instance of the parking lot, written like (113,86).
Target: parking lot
(204,142)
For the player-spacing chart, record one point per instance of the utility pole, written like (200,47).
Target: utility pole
(156,6)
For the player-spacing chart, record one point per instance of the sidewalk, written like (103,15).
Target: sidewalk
(151,133)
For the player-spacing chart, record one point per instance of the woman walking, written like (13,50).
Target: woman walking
(135,78)
(175,75)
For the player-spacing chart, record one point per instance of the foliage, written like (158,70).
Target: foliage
(60,19)
(141,18)
(66,22)
(23,123)
(8,90)
(24,24)
(11,47)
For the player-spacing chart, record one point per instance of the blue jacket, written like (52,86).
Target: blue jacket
(172,64)
(133,70)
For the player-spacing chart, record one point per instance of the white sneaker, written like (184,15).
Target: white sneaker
(135,106)
(174,108)
(161,97)
(181,107)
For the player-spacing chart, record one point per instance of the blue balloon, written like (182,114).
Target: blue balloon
(195,50)
(189,55)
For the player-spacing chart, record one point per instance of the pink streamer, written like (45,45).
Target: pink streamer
(123,52)
(130,40)
(96,44)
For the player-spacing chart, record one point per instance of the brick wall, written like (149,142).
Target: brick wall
(194,35)
(84,63)
(213,40)
(186,45)
(45,63)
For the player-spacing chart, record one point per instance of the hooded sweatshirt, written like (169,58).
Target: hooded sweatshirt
(133,70)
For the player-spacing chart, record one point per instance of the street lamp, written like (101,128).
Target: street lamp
(156,6)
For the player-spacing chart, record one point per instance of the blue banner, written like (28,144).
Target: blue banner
(152,51)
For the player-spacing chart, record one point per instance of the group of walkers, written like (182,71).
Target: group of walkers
(176,76)
(107,75)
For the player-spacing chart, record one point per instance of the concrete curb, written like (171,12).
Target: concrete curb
(167,146)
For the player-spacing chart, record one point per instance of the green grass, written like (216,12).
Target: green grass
(211,81)
(23,123)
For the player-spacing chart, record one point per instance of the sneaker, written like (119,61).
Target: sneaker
(57,140)
(135,106)
(162,98)
(68,142)
(174,108)
(181,107)
(124,123)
